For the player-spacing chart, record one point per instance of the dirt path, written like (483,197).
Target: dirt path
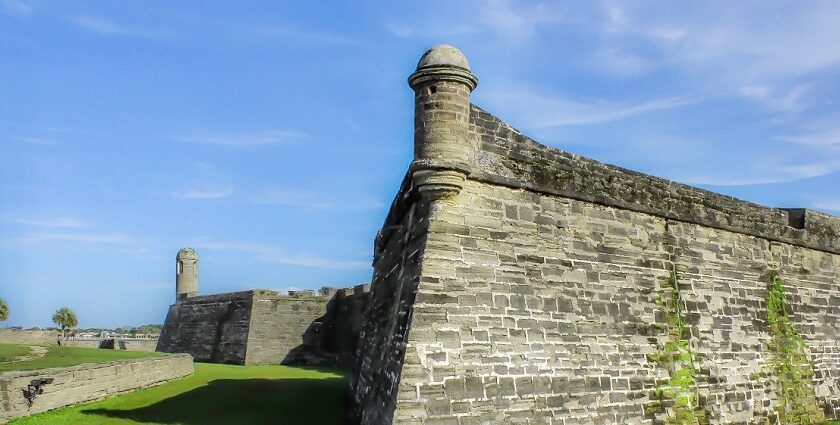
(35,352)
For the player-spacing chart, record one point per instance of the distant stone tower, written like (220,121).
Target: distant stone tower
(186,274)
(443,155)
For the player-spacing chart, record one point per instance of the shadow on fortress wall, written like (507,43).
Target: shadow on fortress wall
(332,339)
(244,401)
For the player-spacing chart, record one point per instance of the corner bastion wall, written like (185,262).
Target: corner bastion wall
(267,327)
(551,288)
(212,328)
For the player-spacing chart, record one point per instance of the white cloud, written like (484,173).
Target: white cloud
(203,193)
(107,27)
(34,141)
(113,238)
(825,138)
(271,254)
(532,108)
(301,35)
(757,173)
(312,200)
(269,137)
(788,100)
(291,198)
(828,204)
(431,31)
(235,246)
(317,262)
(15,8)
(764,52)
(515,22)
(56,222)
(620,61)
(508,22)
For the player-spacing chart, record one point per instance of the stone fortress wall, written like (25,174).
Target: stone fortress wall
(128,344)
(516,283)
(86,382)
(267,327)
(28,336)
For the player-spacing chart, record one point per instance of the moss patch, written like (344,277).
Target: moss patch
(790,367)
(677,396)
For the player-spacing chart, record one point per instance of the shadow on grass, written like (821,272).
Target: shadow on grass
(256,401)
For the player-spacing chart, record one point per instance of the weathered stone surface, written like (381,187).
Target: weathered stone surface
(186,274)
(87,382)
(128,344)
(267,327)
(532,294)
(212,328)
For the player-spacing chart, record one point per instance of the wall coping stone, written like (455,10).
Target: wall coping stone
(506,157)
(84,366)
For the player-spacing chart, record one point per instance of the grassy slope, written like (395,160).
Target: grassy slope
(70,356)
(9,352)
(219,394)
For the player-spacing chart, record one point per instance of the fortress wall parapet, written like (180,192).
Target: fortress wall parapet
(513,160)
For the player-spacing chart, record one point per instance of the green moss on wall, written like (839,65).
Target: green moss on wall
(791,371)
(677,395)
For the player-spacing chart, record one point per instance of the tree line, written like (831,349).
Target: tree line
(66,320)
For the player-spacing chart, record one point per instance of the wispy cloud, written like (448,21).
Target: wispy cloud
(269,137)
(431,31)
(203,193)
(515,22)
(827,204)
(300,35)
(288,198)
(787,100)
(757,51)
(759,173)
(112,238)
(534,109)
(824,138)
(770,169)
(311,200)
(271,254)
(111,28)
(318,262)
(55,222)
(509,22)
(15,8)
(34,141)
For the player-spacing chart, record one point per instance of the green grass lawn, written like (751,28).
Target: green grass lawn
(68,356)
(9,352)
(219,394)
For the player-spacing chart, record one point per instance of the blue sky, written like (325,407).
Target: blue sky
(272,136)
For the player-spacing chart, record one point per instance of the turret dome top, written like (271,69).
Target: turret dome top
(443,55)
(443,63)
(187,253)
